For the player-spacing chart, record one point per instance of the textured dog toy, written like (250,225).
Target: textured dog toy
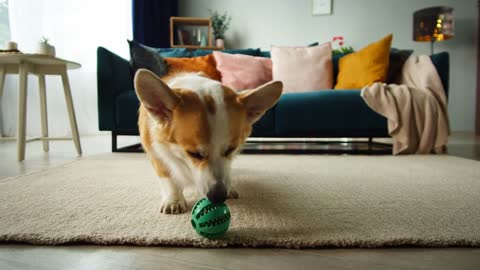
(210,220)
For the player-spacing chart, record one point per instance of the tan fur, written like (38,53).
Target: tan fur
(146,139)
(190,132)
(240,129)
(210,102)
(175,129)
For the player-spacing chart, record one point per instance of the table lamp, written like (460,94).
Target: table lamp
(433,24)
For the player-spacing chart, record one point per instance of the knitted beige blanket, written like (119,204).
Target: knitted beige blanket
(416,109)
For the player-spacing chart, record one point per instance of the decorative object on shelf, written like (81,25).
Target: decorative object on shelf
(45,48)
(220,43)
(338,48)
(321,7)
(220,24)
(433,24)
(191,33)
(11,47)
(203,41)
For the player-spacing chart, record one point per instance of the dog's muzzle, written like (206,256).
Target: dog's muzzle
(217,193)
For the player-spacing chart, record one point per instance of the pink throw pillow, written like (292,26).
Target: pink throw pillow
(303,69)
(242,72)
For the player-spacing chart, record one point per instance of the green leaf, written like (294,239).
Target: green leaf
(220,23)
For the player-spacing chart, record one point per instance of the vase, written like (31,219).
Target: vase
(46,49)
(203,41)
(219,42)
(12,45)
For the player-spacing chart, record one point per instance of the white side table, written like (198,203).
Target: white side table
(40,65)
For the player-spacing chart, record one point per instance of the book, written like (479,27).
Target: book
(179,36)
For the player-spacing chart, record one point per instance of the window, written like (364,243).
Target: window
(4,23)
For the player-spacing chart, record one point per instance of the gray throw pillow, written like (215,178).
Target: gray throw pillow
(142,56)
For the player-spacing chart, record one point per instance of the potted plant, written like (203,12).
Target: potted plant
(45,48)
(220,24)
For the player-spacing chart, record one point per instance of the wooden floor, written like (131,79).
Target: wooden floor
(127,257)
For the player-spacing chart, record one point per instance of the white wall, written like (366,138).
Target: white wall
(76,28)
(261,23)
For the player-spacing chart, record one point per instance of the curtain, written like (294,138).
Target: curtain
(151,21)
(76,28)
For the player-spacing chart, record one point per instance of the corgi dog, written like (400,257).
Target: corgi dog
(191,128)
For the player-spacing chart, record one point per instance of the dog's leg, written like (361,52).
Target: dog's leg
(173,201)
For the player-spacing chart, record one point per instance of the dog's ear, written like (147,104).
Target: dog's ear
(155,95)
(259,100)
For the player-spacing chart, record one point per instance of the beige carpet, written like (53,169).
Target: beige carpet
(286,201)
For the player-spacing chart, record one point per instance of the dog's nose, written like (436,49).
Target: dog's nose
(218,193)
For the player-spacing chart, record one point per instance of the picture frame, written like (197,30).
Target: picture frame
(321,7)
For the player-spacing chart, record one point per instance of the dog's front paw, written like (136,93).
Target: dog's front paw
(173,206)
(232,194)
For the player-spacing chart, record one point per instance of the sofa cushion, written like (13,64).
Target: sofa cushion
(186,53)
(303,68)
(268,55)
(265,126)
(242,72)
(327,113)
(146,57)
(174,52)
(126,111)
(250,51)
(441,61)
(265,54)
(366,66)
(205,64)
(396,61)
(335,59)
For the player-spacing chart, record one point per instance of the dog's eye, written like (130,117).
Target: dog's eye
(196,155)
(229,151)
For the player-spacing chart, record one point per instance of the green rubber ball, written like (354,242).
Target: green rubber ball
(210,220)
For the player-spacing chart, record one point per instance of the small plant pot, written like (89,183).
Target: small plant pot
(12,45)
(220,43)
(46,49)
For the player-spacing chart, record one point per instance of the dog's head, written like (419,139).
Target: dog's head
(203,123)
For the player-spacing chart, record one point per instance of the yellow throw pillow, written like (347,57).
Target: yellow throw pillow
(366,66)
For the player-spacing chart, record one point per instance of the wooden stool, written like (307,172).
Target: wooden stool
(40,65)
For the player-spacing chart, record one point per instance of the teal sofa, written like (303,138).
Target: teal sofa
(317,114)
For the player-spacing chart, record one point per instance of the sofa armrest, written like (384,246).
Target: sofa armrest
(441,61)
(114,76)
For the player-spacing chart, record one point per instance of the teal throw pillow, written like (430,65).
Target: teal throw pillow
(250,51)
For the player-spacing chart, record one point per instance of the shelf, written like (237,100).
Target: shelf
(187,28)
(190,20)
